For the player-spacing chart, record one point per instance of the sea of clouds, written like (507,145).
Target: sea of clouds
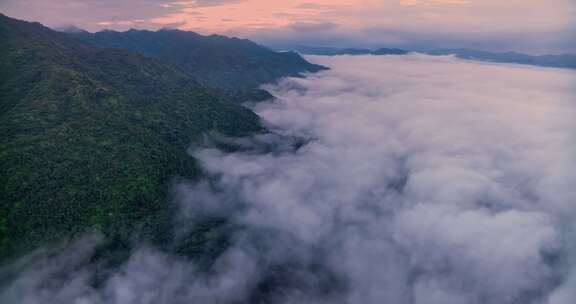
(392,179)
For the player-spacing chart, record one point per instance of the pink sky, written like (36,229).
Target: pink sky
(226,15)
(440,15)
(320,19)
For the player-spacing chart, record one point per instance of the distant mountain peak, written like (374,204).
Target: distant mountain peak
(70,29)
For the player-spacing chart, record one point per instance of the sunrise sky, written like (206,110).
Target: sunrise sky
(532,25)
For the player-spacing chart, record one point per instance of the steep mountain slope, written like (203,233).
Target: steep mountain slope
(219,61)
(92,137)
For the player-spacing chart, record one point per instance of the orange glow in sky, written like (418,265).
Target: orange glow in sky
(440,15)
(253,14)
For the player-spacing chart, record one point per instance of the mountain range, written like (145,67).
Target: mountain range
(333,51)
(557,61)
(95,127)
(220,61)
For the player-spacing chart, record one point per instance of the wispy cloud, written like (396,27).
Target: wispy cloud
(313,26)
(432,2)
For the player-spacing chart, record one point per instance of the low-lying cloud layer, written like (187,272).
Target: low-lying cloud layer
(421,180)
(428,180)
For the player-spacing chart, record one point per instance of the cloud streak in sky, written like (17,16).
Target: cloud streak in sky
(424,180)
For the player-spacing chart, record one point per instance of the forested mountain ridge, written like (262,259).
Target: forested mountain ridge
(230,63)
(91,137)
(333,51)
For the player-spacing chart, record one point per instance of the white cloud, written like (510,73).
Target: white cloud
(476,144)
(426,180)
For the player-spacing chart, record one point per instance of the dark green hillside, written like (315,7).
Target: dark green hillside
(219,61)
(90,137)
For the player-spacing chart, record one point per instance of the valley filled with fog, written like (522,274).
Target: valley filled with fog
(387,179)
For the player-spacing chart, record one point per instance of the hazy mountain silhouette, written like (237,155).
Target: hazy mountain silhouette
(558,61)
